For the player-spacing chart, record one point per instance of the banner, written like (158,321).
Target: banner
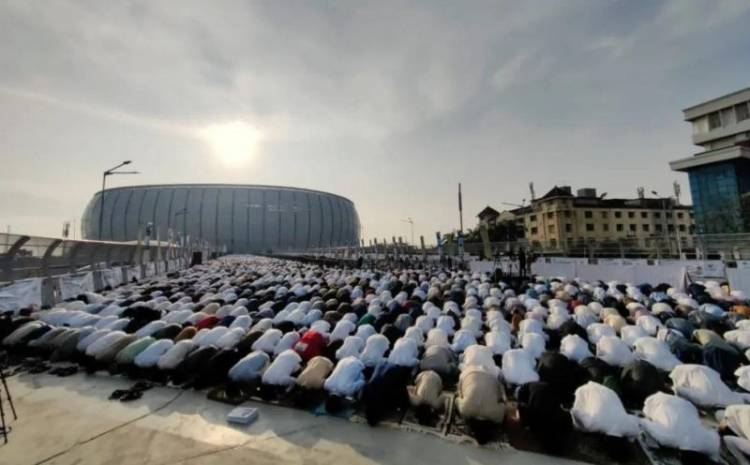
(20,294)
(75,285)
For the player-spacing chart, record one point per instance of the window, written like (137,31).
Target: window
(742,112)
(550,215)
(714,120)
(568,227)
(532,218)
(551,228)
(631,214)
(658,228)
(534,230)
(588,214)
(605,227)
(657,214)
(682,228)
(668,214)
(644,215)
(632,227)
(589,227)
(619,226)
(605,214)
(645,227)
(727,117)
(670,228)
(567,214)
(618,214)
(680,215)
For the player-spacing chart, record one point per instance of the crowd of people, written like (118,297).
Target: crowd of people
(556,354)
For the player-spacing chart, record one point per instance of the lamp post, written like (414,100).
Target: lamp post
(184,220)
(666,226)
(411,224)
(106,173)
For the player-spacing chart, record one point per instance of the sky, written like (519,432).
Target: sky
(390,104)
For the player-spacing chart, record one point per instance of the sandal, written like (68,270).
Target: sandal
(131,395)
(118,394)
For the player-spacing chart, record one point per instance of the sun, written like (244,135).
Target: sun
(234,143)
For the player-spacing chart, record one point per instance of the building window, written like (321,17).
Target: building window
(682,228)
(668,214)
(619,226)
(550,215)
(551,229)
(605,227)
(568,227)
(618,214)
(714,120)
(645,227)
(605,214)
(632,227)
(631,214)
(670,228)
(658,227)
(588,214)
(644,215)
(532,218)
(567,214)
(680,215)
(742,112)
(534,230)
(657,214)
(589,227)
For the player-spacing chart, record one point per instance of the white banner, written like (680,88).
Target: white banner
(134,272)
(111,277)
(21,294)
(74,285)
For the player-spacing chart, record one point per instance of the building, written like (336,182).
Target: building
(559,219)
(242,218)
(488,216)
(720,174)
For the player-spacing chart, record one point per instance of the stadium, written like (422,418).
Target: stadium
(242,218)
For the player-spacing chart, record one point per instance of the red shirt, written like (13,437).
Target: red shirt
(207,322)
(311,345)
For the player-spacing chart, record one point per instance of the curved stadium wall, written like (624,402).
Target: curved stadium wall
(244,218)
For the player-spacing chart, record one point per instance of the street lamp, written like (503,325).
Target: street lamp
(184,220)
(109,172)
(411,223)
(676,229)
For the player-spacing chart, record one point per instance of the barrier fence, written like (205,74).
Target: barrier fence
(43,270)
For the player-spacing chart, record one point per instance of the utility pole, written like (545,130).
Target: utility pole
(460,210)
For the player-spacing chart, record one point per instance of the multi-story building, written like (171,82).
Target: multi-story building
(560,219)
(720,175)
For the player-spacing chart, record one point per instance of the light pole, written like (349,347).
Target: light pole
(666,226)
(184,220)
(411,224)
(109,172)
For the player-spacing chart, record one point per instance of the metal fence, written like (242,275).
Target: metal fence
(24,256)
(717,246)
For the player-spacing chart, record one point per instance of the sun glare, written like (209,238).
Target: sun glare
(233,143)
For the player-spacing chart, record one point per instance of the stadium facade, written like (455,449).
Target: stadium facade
(242,218)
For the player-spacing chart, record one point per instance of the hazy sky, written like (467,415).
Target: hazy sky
(390,104)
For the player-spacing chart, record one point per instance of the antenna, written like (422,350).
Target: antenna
(641,192)
(531,189)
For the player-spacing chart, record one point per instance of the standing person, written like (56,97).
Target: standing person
(521,262)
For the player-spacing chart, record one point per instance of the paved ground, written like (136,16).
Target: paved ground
(70,421)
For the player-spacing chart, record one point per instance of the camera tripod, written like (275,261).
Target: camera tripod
(4,428)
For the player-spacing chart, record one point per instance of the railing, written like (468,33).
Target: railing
(24,256)
(727,247)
